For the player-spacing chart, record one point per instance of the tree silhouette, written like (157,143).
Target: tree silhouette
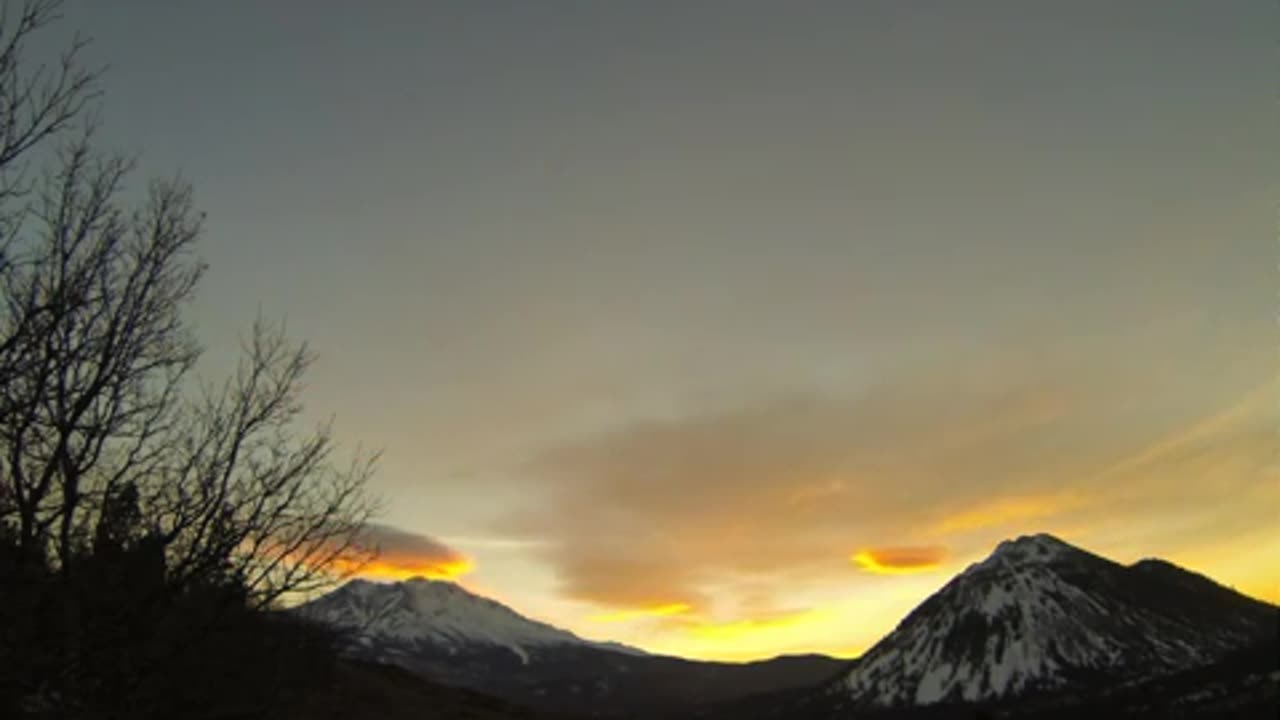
(142,513)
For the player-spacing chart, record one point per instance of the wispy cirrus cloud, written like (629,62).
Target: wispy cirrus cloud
(1008,509)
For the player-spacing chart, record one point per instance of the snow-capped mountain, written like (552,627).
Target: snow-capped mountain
(1040,615)
(442,632)
(420,614)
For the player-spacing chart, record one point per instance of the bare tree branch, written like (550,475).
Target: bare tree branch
(96,361)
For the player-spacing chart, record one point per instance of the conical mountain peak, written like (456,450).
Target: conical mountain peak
(1040,614)
(1041,546)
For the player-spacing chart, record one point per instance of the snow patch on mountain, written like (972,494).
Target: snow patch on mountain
(418,612)
(1039,614)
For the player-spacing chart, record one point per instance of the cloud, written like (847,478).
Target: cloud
(699,509)
(1004,510)
(657,611)
(400,554)
(900,560)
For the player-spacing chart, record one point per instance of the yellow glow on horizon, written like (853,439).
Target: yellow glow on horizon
(666,610)
(1246,564)
(838,629)
(737,630)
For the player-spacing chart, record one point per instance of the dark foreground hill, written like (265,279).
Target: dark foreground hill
(370,691)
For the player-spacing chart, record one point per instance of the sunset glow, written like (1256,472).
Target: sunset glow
(403,568)
(666,610)
(900,561)
(735,329)
(1003,511)
(736,631)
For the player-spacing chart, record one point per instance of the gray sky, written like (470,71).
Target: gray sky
(610,283)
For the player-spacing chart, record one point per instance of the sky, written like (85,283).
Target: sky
(730,329)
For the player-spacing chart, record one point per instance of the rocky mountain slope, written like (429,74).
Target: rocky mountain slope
(1040,615)
(405,618)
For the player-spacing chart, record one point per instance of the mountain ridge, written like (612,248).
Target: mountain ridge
(425,611)
(443,632)
(1037,619)
(1039,614)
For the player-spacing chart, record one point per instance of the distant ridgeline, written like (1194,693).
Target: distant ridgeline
(1038,629)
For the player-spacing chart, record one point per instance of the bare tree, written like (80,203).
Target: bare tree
(145,515)
(36,103)
(96,365)
(246,491)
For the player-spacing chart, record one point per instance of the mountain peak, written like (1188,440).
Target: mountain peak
(1041,545)
(1028,551)
(420,612)
(1038,614)
(421,580)
(417,589)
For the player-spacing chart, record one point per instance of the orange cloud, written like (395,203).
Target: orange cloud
(664,610)
(900,560)
(405,568)
(704,506)
(400,555)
